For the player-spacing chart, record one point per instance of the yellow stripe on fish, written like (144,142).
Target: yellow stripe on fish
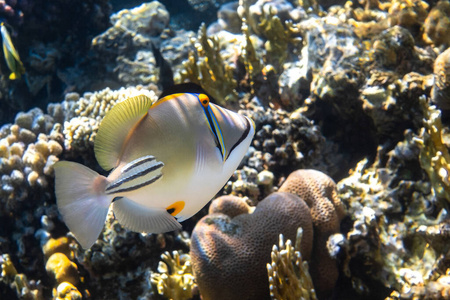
(168,159)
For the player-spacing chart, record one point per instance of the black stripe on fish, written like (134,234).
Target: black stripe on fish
(243,136)
(137,162)
(211,125)
(135,187)
(122,181)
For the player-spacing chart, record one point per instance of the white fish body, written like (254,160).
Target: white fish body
(169,160)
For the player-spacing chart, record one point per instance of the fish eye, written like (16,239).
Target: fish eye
(204,100)
(175,208)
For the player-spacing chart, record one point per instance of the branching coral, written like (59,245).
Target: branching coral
(395,225)
(175,279)
(271,21)
(434,155)
(9,275)
(288,274)
(250,58)
(62,269)
(207,68)
(278,36)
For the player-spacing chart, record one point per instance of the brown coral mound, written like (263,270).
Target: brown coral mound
(231,246)
(229,254)
(319,192)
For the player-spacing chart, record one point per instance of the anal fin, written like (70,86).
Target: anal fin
(137,217)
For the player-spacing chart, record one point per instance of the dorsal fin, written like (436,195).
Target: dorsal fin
(116,126)
(187,87)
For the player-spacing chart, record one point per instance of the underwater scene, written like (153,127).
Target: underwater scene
(216,149)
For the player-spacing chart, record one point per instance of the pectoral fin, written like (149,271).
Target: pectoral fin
(136,174)
(140,218)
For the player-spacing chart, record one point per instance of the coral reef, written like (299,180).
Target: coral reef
(28,149)
(206,67)
(434,155)
(24,288)
(395,220)
(134,30)
(346,88)
(286,141)
(229,254)
(52,38)
(231,245)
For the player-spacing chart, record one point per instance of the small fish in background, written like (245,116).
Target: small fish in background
(12,57)
(168,159)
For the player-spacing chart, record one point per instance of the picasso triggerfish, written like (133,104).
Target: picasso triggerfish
(167,160)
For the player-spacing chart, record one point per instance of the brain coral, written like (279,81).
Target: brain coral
(231,246)
(319,192)
(234,251)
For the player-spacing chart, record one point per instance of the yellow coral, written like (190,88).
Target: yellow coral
(207,68)
(278,37)
(62,269)
(252,62)
(288,274)
(18,281)
(61,244)
(175,279)
(66,291)
(434,155)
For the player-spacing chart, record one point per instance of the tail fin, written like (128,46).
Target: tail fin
(81,200)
